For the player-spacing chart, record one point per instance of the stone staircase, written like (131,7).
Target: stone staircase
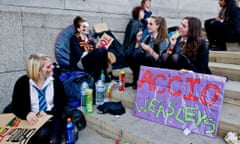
(140,131)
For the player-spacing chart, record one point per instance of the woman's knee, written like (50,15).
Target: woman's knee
(175,58)
(55,140)
(101,51)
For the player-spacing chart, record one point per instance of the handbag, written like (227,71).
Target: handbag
(77,117)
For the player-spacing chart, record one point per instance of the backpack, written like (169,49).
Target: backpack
(72,82)
(77,117)
(62,46)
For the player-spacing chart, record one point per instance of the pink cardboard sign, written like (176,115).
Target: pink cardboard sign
(187,100)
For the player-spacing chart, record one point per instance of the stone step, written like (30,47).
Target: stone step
(231,93)
(231,71)
(140,131)
(229,119)
(91,136)
(233,46)
(225,57)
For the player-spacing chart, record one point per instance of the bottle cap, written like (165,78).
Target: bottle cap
(89,91)
(69,119)
(122,72)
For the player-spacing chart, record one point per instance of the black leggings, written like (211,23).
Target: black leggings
(50,133)
(96,61)
(136,59)
(218,35)
(176,62)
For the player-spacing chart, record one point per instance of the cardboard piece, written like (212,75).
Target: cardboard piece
(100,27)
(189,101)
(105,41)
(8,124)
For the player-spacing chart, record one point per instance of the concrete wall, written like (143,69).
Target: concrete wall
(29,26)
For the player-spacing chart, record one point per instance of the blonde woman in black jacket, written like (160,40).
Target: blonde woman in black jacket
(37,94)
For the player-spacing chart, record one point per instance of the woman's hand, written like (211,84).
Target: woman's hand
(173,40)
(41,114)
(183,71)
(146,47)
(32,118)
(219,19)
(86,49)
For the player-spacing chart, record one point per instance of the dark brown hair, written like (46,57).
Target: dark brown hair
(143,2)
(194,33)
(136,11)
(77,22)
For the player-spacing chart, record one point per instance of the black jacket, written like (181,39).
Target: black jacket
(133,27)
(200,64)
(232,21)
(21,102)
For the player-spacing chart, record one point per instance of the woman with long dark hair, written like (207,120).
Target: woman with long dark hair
(189,50)
(225,27)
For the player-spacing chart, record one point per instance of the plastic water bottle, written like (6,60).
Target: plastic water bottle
(84,87)
(70,132)
(100,92)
